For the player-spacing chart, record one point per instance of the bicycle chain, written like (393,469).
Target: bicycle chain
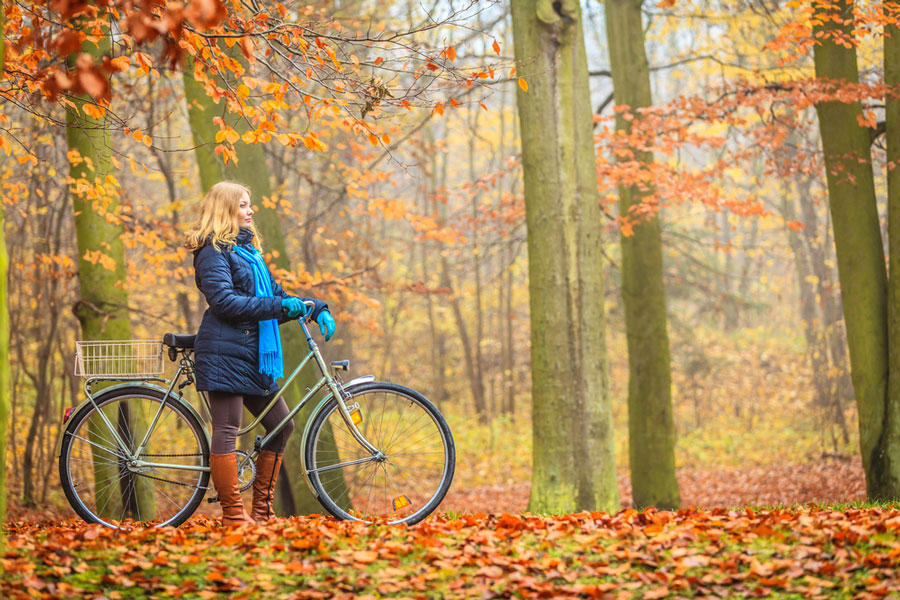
(195,487)
(168,455)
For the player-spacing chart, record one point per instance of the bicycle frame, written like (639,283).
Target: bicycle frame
(336,390)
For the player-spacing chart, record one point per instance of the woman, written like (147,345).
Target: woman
(238,348)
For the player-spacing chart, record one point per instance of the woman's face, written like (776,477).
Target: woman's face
(245,211)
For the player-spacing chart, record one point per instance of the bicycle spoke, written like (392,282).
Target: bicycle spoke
(105,489)
(417,471)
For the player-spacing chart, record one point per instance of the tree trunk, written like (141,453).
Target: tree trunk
(4,333)
(886,459)
(651,429)
(4,353)
(252,171)
(858,245)
(476,384)
(102,309)
(573,465)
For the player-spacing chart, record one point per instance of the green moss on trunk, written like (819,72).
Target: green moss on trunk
(858,244)
(103,307)
(651,429)
(4,362)
(888,453)
(573,445)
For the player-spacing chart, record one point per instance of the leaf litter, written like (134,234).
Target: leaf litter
(799,552)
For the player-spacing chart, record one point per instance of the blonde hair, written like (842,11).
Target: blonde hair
(219,218)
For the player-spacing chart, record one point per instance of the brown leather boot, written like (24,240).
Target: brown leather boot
(223,469)
(267,466)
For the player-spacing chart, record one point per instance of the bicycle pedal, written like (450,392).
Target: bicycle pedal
(213,499)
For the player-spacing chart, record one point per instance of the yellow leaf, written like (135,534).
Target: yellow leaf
(523,84)
(243,91)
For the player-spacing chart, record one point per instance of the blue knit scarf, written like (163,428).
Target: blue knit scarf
(271,361)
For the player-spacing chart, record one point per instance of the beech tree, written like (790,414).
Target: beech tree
(4,329)
(871,340)
(573,466)
(103,307)
(651,428)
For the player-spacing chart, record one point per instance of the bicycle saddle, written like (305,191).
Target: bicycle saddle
(179,340)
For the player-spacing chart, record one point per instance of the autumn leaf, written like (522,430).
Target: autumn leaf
(656,593)
(365,556)
(523,84)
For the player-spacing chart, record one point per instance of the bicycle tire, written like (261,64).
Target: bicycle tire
(79,481)
(364,479)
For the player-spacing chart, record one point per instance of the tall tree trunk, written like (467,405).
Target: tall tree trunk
(813,325)
(886,459)
(4,332)
(102,309)
(573,465)
(858,245)
(4,350)
(509,375)
(478,333)
(651,429)
(252,171)
(476,384)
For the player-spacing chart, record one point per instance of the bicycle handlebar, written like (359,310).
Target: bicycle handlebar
(312,306)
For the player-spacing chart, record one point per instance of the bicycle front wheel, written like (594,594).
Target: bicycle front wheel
(107,483)
(409,477)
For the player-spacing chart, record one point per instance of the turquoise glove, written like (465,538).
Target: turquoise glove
(294,306)
(326,324)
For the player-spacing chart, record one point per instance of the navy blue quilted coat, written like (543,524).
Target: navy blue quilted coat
(226,351)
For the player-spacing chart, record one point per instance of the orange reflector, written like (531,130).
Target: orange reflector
(401,501)
(356,417)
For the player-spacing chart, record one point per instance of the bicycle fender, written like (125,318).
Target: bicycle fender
(353,382)
(118,386)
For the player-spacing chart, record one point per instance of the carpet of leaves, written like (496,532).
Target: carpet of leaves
(823,481)
(801,552)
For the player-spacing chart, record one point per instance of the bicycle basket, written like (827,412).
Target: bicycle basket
(120,358)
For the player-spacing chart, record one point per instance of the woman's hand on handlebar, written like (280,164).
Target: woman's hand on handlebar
(295,307)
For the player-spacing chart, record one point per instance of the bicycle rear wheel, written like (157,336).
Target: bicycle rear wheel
(407,481)
(106,484)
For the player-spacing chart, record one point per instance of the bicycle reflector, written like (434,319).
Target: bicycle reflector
(356,417)
(401,501)
(67,413)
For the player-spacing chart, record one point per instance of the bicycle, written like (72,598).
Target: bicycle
(138,450)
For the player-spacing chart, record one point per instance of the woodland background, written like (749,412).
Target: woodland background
(396,176)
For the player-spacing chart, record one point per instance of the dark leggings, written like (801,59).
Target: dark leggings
(227,410)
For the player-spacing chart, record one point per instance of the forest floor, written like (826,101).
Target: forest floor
(852,552)
(484,545)
(827,481)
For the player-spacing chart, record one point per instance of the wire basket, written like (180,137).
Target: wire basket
(121,358)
